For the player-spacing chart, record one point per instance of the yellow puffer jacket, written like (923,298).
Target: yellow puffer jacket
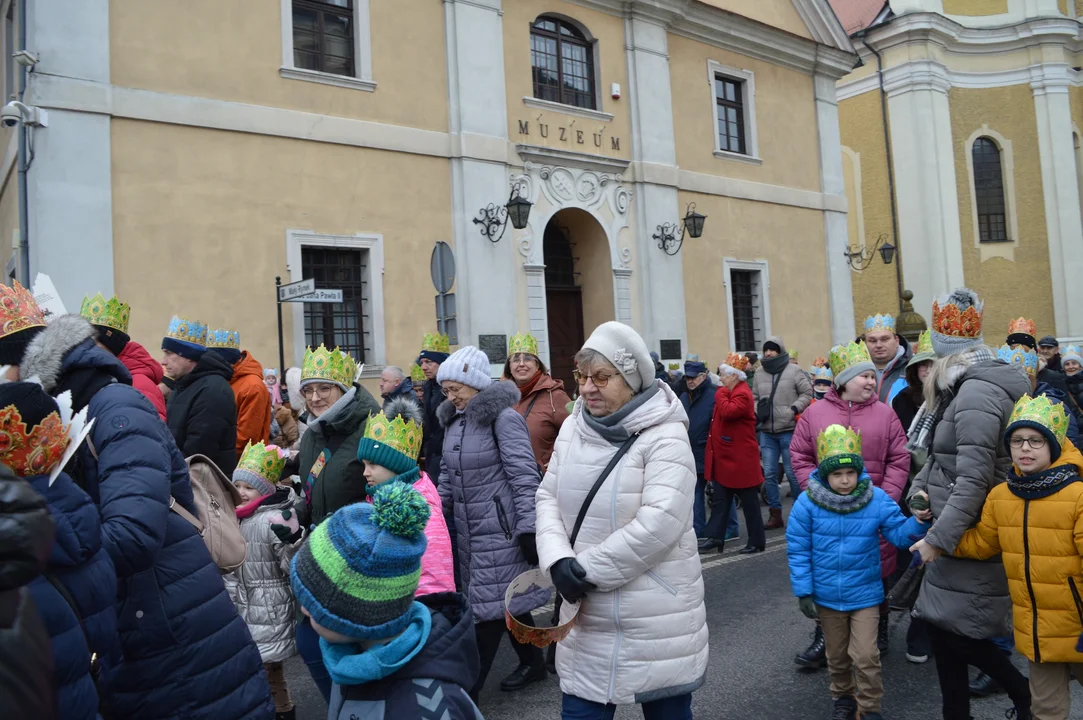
(1042,544)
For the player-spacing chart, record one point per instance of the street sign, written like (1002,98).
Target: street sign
(288,293)
(442,267)
(320,296)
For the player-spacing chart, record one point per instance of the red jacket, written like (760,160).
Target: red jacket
(146,374)
(733,450)
(253,402)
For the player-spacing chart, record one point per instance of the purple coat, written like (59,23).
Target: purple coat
(488,479)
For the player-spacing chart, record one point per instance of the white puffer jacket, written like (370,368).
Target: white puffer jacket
(643,634)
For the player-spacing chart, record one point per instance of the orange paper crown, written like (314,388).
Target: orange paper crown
(18,310)
(950,321)
(1024,326)
(820,362)
(31,452)
(737,361)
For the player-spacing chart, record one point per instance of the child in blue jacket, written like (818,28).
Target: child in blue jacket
(834,553)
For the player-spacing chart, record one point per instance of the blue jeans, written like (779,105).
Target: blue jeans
(308,646)
(699,512)
(674,708)
(773,446)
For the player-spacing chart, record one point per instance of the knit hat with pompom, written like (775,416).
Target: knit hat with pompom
(359,570)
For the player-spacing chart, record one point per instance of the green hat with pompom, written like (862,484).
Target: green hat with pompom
(360,568)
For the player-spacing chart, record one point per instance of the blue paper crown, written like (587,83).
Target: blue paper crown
(192,332)
(823,373)
(224,339)
(880,323)
(1021,356)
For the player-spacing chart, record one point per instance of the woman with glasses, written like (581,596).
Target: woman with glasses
(543,402)
(641,634)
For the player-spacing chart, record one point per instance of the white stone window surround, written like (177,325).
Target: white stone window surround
(362,52)
(728,265)
(372,243)
(989,250)
(595,53)
(748,84)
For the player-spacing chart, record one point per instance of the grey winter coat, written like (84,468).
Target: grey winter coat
(488,479)
(794,392)
(260,588)
(968,459)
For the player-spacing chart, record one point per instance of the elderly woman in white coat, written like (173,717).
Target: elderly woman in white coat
(641,636)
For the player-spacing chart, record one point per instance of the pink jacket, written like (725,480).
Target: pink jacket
(437,568)
(883,448)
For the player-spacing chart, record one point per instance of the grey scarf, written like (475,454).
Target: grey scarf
(611,427)
(820,494)
(335,410)
(924,424)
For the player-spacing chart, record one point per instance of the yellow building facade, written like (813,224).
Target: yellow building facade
(196,151)
(972,109)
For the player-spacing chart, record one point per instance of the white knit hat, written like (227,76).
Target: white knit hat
(468,366)
(622,346)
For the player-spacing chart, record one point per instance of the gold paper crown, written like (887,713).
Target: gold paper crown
(331,365)
(950,321)
(837,440)
(925,344)
(737,361)
(111,313)
(31,452)
(18,310)
(417,375)
(267,461)
(1024,326)
(434,342)
(403,436)
(846,356)
(1044,412)
(523,344)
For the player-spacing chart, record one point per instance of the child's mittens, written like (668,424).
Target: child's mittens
(920,501)
(286,527)
(807,606)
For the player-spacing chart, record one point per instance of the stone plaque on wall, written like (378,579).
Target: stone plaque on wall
(495,346)
(671,350)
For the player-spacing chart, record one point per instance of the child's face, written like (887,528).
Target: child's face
(843,481)
(1027,458)
(248,493)
(822,386)
(377,474)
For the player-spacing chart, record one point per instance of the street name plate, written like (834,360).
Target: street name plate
(320,296)
(288,293)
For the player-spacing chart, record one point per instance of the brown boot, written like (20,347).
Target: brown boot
(774,520)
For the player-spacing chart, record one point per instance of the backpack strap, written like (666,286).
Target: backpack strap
(177,508)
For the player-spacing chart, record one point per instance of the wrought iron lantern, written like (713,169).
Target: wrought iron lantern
(670,236)
(493,219)
(861,259)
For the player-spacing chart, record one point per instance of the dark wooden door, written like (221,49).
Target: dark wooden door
(565,332)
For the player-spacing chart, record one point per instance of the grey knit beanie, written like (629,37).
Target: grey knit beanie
(468,366)
(622,346)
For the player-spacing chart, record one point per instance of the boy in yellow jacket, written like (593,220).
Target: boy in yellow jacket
(1036,521)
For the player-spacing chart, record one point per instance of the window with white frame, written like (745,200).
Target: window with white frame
(990,165)
(746,292)
(327,41)
(733,92)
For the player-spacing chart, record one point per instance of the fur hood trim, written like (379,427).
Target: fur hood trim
(44,357)
(486,406)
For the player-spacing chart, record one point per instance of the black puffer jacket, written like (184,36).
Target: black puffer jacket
(432,447)
(202,413)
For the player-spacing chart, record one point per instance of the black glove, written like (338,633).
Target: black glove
(529,545)
(569,577)
(285,533)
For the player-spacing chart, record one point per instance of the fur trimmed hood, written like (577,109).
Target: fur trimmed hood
(486,406)
(44,357)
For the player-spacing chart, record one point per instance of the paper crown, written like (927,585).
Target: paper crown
(192,332)
(1022,326)
(737,361)
(434,342)
(792,353)
(331,365)
(224,339)
(822,373)
(1042,411)
(837,440)
(403,436)
(18,310)
(880,323)
(820,362)
(520,343)
(417,375)
(267,461)
(31,452)
(925,344)
(1072,352)
(1026,359)
(952,320)
(111,313)
(845,356)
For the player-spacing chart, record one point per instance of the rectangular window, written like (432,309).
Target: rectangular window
(733,106)
(344,325)
(746,302)
(729,97)
(323,36)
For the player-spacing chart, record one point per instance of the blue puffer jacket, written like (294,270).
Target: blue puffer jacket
(699,404)
(81,565)
(187,654)
(835,556)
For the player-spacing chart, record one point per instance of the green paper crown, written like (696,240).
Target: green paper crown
(267,461)
(836,440)
(399,435)
(792,353)
(331,365)
(925,344)
(1044,412)
(846,356)
(417,375)
(111,313)
(523,344)
(434,342)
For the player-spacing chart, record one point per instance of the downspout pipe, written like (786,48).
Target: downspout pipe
(24,210)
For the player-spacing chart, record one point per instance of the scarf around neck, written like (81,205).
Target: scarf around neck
(336,410)
(925,422)
(349,664)
(775,365)
(1043,484)
(823,496)
(611,426)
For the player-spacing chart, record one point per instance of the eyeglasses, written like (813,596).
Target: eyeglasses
(311,391)
(521,358)
(1036,443)
(454,390)
(600,380)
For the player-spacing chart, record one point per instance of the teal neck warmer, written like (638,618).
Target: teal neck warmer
(348,664)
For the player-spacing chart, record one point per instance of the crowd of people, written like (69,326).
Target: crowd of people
(393,543)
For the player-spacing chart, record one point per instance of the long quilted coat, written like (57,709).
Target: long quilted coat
(835,557)
(79,563)
(968,459)
(187,654)
(733,448)
(642,635)
(488,479)
(1042,545)
(260,588)
(883,448)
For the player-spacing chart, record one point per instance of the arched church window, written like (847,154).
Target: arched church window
(989,191)
(562,60)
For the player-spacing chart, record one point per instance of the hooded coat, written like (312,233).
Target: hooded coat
(545,408)
(642,634)
(146,372)
(733,450)
(699,406)
(202,413)
(433,442)
(967,459)
(488,482)
(792,395)
(186,652)
(253,402)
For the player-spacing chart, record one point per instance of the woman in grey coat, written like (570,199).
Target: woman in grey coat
(488,479)
(969,397)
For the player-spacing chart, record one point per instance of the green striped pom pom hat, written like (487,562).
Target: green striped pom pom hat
(359,570)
